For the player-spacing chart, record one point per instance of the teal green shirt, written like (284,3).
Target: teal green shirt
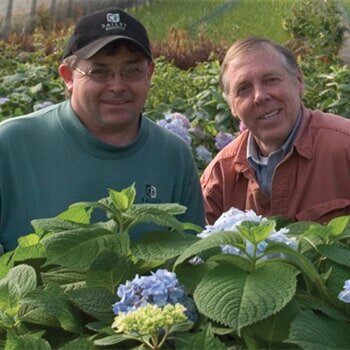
(49,160)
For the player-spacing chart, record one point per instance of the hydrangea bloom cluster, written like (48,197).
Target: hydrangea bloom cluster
(229,221)
(222,139)
(150,319)
(161,288)
(203,154)
(344,295)
(177,123)
(3,100)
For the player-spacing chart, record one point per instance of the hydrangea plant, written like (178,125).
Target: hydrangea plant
(72,283)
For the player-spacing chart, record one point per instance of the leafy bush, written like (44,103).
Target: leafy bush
(316,28)
(254,282)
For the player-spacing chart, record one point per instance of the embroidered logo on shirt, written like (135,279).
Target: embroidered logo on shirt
(151,195)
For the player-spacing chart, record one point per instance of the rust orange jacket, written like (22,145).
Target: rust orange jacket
(311,183)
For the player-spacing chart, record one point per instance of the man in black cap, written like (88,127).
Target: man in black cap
(97,139)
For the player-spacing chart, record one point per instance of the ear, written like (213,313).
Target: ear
(66,74)
(150,70)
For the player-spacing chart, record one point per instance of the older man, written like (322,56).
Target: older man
(291,161)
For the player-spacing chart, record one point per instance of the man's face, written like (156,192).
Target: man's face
(263,95)
(110,107)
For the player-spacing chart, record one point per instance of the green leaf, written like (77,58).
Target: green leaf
(76,214)
(82,343)
(111,340)
(120,200)
(66,278)
(77,248)
(336,254)
(19,281)
(338,224)
(256,232)
(311,331)
(96,302)
(107,270)
(162,245)
(212,241)
(152,214)
(275,328)
(50,307)
(26,341)
(170,208)
(311,302)
(204,340)
(237,299)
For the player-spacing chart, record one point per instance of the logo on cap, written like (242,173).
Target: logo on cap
(113,22)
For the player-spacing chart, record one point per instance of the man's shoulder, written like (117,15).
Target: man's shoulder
(329,122)
(31,122)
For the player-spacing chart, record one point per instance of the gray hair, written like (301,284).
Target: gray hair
(250,44)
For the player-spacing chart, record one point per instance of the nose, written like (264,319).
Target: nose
(261,94)
(115,82)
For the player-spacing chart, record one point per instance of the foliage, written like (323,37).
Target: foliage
(317,29)
(58,287)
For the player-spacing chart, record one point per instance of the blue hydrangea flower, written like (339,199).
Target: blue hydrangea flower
(160,288)
(344,295)
(203,154)
(229,221)
(3,100)
(178,124)
(222,139)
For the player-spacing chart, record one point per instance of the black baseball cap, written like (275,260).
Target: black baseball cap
(95,30)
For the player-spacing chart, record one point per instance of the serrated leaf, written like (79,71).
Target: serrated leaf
(50,307)
(19,281)
(111,340)
(237,299)
(107,270)
(77,248)
(54,225)
(80,343)
(67,279)
(96,302)
(336,254)
(153,215)
(204,340)
(236,260)
(170,208)
(308,301)
(212,241)
(311,331)
(26,341)
(162,245)
(275,328)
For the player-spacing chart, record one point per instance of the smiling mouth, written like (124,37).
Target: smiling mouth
(269,115)
(115,102)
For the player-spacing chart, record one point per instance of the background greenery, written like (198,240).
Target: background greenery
(189,40)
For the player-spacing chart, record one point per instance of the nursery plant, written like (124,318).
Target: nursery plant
(245,282)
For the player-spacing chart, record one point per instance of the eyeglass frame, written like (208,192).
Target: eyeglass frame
(111,74)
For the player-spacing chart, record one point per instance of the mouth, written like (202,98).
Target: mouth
(269,115)
(115,102)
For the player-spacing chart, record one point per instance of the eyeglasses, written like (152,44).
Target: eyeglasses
(131,73)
